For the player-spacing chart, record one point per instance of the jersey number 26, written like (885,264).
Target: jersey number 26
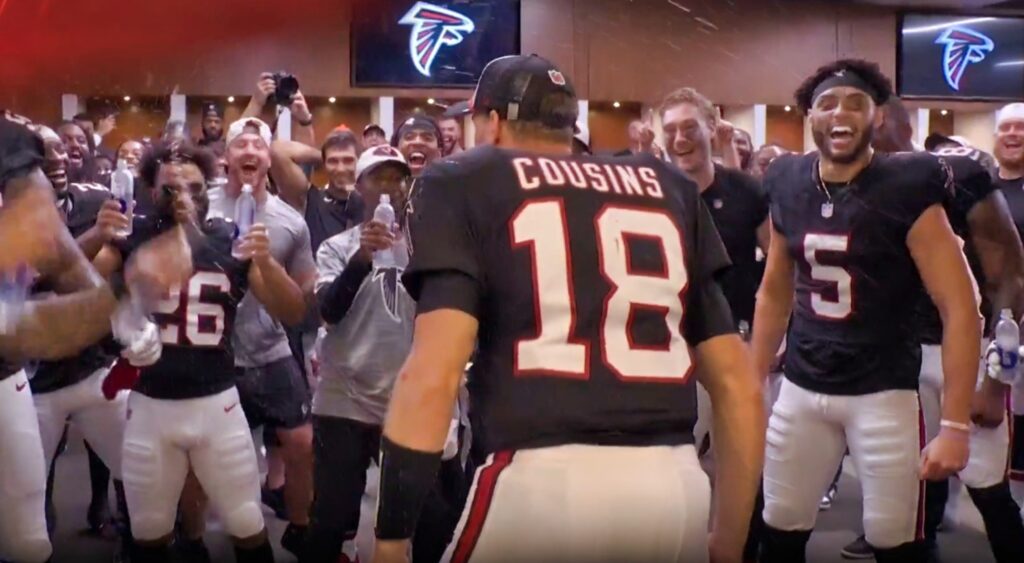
(541,225)
(190,321)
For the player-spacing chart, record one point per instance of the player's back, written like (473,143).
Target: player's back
(195,320)
(586,265)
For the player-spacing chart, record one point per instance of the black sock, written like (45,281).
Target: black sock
(262,553)
(750,550)
(778,546)
(910,552)
(150,553)
(1002,521)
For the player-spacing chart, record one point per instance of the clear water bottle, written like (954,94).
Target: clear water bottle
(122,187)
(385,214)
(1008,345)
(245,217)
(129,320)
(14,289)
(744,330)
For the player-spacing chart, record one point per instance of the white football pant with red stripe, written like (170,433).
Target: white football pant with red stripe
(586,504)
(808,434)
(23,534)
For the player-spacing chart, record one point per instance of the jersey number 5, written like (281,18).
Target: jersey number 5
(541,225)
(843,305)
(204,322)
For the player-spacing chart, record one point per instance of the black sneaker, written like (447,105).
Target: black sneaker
(274,500)
(294,539)
(858,549)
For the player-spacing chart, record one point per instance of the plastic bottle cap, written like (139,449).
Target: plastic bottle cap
(246,188)
(385,198)
(122,164)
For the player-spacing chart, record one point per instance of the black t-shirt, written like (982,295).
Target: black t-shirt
(21,151)
(594,277)
(739,206)
(326,216)
(81,204)
(196,321)
(1013,191)
(972,184)
(854,328)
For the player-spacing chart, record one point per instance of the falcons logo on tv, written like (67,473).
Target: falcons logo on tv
(432,28)
(963,47)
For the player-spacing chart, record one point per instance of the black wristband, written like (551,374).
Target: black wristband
(406,478)
(117,285)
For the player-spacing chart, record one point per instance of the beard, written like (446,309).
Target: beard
(821,141)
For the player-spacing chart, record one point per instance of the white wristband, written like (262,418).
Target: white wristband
(955,425)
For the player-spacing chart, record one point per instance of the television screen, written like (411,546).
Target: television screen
(410,43)
(957,56)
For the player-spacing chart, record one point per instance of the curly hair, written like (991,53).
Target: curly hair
(866,70)
(178,153)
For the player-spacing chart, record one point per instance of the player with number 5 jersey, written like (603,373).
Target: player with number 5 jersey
(589,284)
(184,410)
(855,235)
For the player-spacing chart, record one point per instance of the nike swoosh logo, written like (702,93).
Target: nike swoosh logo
(230,408)
(19,386)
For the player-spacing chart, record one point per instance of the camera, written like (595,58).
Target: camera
(286,86)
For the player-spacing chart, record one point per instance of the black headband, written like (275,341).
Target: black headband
(849,78)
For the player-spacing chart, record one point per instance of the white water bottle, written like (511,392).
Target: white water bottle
(14,291)
(245,217)
(385,214)
(122,187)
(1008,345)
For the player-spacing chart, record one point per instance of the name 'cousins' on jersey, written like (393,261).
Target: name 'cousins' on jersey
(599,276)
(853,330)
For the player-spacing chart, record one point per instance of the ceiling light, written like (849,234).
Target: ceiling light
(616,104)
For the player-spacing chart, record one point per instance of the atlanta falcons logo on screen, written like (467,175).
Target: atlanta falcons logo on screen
(433,27)
(963,47)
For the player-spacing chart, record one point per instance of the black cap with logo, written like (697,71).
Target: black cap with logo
(213,108)
(526,88)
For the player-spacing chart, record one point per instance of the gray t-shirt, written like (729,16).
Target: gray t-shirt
(258,338)
(360,356)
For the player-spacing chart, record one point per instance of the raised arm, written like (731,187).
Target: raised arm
(286,161)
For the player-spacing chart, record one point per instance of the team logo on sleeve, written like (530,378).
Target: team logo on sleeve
(433,27)
(963,47)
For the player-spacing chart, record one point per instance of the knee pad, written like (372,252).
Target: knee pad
(30,549)
(244,521)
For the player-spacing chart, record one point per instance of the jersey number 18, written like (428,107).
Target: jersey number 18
(541,225)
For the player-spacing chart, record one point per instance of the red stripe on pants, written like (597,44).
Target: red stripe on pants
(481,504)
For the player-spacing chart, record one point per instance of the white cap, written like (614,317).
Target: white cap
(46,133)
(238,127)
(375,156)
(962,141)
(1010,112)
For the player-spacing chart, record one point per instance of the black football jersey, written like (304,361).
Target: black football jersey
(972,183)
(594,276)
(196,319)
(738,205)
(1013,191)
(81,204)
(854,328)
(21,150)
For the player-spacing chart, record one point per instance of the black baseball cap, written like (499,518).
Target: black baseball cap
(458,109)
(214,108)
(935,139)
(519,87)
(373,127)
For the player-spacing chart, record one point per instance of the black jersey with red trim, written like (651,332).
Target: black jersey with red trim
(196,319)
(595,277)
(854,328)
(81,204)
(21,151)
(972,183)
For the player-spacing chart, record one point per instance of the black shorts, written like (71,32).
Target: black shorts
(275,395)
(1017,449)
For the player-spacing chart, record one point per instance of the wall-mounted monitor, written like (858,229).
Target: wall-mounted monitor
(961,57)
(417,44)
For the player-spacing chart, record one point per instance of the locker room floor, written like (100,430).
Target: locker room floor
(835,527)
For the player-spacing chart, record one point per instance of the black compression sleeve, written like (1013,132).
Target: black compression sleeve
(336,299)
(406,478)
(449,290)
